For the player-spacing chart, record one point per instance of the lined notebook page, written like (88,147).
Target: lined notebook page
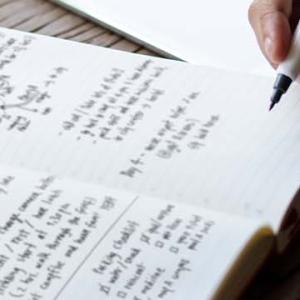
(61,240)
(156,127)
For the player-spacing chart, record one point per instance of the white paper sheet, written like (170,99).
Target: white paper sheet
(214,33)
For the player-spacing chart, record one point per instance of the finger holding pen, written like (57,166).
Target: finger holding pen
(277,28)
(270,22)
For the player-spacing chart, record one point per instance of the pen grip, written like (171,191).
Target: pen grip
(291,65)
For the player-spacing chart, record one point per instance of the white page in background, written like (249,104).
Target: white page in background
(213,33)
(61,239)
(156,127)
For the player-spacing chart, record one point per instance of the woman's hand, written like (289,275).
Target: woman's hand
(273,22)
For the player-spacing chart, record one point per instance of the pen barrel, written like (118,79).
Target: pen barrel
(291,65)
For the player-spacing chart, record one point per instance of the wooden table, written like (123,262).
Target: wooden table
(43,17)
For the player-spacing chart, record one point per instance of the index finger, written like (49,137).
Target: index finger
(270,21)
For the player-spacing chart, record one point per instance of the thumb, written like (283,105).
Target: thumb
(270,21)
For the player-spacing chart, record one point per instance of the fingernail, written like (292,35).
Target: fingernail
(269,48)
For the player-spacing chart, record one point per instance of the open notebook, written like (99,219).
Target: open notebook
(213,33)
(130,177)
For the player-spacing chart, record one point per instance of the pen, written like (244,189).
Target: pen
(288,70)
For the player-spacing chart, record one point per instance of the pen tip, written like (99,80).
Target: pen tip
(275,98)
(272,105)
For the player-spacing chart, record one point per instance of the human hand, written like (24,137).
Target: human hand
(273,22)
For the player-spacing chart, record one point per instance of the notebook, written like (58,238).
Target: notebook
(213,33)
(125,176)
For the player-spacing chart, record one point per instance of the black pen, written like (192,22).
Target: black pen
(288,70)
